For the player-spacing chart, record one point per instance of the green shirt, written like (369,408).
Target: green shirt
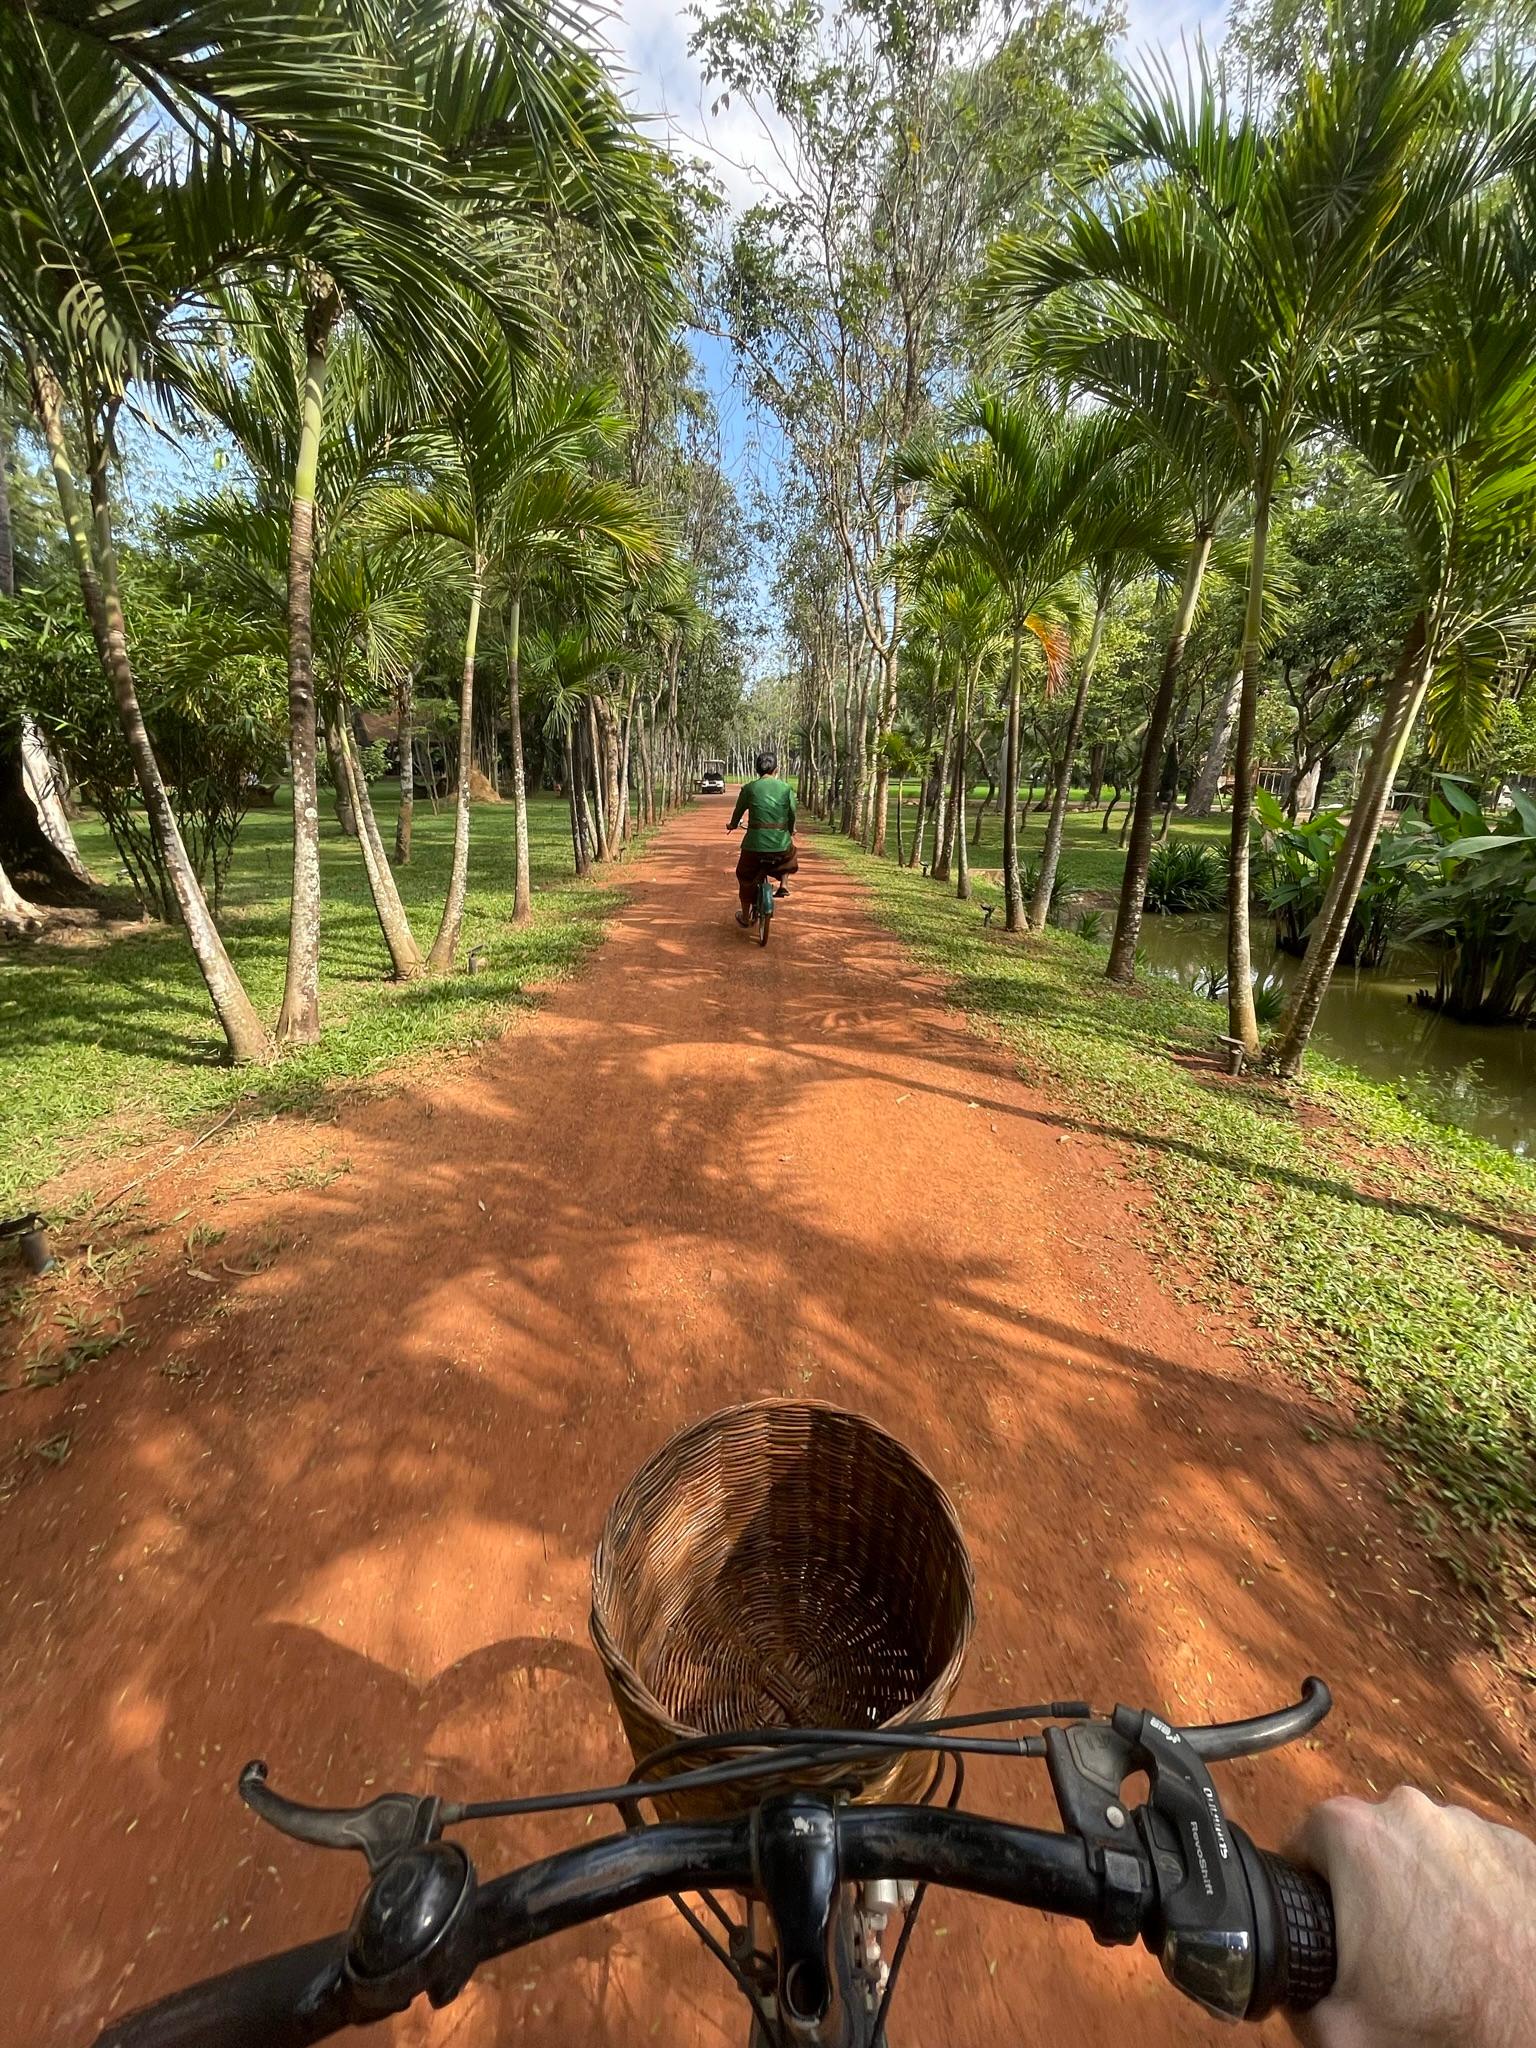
(769,805)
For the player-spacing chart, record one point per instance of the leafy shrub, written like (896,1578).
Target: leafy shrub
(1471,884)
(1090,926)
(1293,865)
(1186,874)
(1210,981)
(1269,1000)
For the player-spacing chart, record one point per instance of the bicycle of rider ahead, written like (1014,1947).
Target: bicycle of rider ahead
(768,850)
(781,1601)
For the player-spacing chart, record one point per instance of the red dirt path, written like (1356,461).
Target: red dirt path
(349,1529)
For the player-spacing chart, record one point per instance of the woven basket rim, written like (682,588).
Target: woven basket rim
(620,1669)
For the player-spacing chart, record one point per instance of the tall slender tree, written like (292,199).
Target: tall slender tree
(1007,490)
(1258,256)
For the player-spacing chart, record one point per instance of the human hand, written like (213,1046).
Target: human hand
(1436,1918)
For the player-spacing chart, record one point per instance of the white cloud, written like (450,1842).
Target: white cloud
(650,40)
(665,84)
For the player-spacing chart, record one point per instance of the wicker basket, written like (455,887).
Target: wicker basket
(782,1564)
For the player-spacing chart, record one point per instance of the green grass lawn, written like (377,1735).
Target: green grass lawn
(97,1040)
(1092,860)
(1375,1248)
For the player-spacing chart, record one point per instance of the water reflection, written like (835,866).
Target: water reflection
(1480,1077)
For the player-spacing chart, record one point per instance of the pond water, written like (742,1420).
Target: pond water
(1482,1077)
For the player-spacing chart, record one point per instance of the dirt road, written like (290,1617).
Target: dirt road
(336,1509)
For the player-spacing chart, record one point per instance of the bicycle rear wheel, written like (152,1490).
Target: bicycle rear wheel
(764,909)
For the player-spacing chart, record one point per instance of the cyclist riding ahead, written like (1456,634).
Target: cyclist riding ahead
(768,804)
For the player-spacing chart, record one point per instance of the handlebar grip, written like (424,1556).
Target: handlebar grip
(1298,1943)
(284,2001)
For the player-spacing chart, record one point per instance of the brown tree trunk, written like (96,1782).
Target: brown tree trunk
(1242,1020)
(1096,759)
(943,836)
(405,740)
(1133,887)
(573,795)
(595,738)
(1202,795)
(647,767)
(1050,852)
(1405,700)
(44,784)
(962,782)
(298,1021)
(446,944)
(522,887)
(404,952)
(885,723)
(96,564)
(1013,886)
(920,824)
(626,757)
(341,787)
(33,822)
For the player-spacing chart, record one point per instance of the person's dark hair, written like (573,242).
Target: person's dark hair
(767,761)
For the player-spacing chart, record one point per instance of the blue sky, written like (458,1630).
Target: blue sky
(649,40)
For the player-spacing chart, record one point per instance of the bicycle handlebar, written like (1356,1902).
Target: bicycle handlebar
(429,1895)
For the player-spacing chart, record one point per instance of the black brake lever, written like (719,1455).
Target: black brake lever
(382,1830)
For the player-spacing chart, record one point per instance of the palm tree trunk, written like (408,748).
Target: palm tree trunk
(43,782)
(1410,685)
(884,724)
(1050,852)
(647,766)
(405,708)
(962,782)
(341,788)
(858,795)
(573,797)
(626,755)
(599,809)
(522,887)
(1202,797)
(943,840)
(920,824)
(1133,887)
(1013,886)
(671,764)
(298,1021)
(445,945)
(96,565)
(1241,1021)
(15,911)
(404,953)
(38,783)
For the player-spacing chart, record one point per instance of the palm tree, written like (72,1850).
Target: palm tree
(522,122)
(514,493)
(1007,493)
(959,605)
(1451,424)
(361,597)
(1257,259)
(549,512)
(566,668)
(1121,535)
(102,248)
(297,120)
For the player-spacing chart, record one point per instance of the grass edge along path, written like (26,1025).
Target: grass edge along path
(1379,1252)
(108,1047)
